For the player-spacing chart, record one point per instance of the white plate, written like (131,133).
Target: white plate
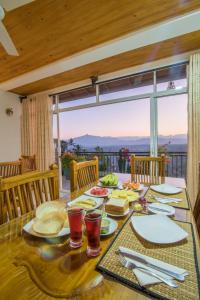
(152,207)
(28,229)
(123,215)
(99,201)
(158,229)
(166,189)
(88,193)
(113,226)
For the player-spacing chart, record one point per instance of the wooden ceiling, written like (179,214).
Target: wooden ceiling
(136,57)
(47,30)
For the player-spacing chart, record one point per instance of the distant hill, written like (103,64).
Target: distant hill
(90,141)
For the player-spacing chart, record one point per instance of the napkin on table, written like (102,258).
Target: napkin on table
(145,279)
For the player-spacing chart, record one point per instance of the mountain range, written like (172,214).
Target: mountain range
(104,141)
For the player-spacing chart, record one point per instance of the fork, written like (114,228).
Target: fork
(131,266)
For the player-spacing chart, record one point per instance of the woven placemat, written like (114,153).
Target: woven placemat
(183,195)
(182,254)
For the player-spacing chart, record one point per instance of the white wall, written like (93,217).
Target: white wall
(10,141)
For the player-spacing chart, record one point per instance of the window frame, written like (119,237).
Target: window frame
(153,96)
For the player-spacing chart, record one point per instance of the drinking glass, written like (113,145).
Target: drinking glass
(93,228)
(75,216)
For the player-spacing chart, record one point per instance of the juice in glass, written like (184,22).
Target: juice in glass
(93,228)
(75,216)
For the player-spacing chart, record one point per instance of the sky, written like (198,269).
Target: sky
(125,119)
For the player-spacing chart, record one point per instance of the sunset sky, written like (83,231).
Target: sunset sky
(126,119)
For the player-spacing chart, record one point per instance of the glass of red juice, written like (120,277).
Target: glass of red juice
(75,216)
(93,228)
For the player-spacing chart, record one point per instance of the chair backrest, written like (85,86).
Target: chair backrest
(10,168)
(83,175)
(148,169)
(23,193)
(28,163)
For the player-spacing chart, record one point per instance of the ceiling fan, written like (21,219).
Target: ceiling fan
(5,38)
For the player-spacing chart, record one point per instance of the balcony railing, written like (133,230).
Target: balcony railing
(176,162)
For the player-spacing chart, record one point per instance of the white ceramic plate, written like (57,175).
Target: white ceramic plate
(122,215)
(158,229)
(88,193)
(99,201)
(166,189)
(157,208)
(28,228)
(113,226)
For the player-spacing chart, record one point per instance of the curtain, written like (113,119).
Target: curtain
(37,131)
(193,127)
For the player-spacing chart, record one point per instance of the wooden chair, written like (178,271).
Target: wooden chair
(83,175)
(28,163)
(23,193)
(148,169)
(11,168)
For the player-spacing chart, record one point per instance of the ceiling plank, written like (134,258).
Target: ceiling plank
(48,30)
(172,47)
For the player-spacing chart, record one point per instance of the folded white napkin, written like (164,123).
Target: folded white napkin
(145,279)
(167,200)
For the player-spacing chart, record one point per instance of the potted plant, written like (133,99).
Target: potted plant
(123,160)
(66,158)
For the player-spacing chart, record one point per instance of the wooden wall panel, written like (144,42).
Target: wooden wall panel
(47,30)
(140,56)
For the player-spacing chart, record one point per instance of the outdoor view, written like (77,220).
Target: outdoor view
(113,132)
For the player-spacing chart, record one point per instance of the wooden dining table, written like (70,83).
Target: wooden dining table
(36,268)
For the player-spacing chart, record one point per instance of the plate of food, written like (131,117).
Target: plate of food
(117,207)
(125,194)
(110,180)
(51,221)
(108,226)
(98,192)
(135,186)
(85,202)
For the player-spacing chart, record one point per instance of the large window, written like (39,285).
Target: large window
(172,132)
(126,87)
(146,113)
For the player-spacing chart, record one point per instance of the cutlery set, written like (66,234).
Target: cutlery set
(131,266)
(165,199)
(145,268)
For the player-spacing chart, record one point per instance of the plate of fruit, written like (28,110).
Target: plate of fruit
(110,180)
(98,192)
(86,203)
(135,186)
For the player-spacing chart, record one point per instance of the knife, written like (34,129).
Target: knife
(159,209)
(143,261)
